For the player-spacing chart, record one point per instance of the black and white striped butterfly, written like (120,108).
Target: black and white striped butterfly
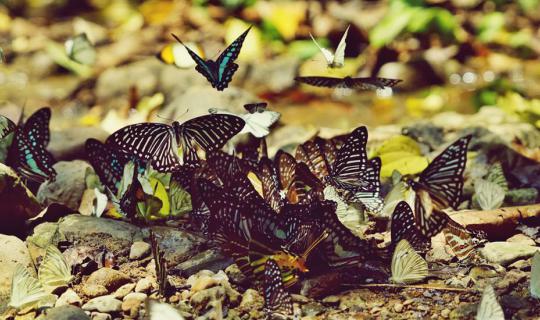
(219,73)
(440,185)
(28,154)
(159,143)
(372,83)
(277,301)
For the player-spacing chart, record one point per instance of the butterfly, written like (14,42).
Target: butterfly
(158,143)
(26,290)
(462,241)
(334,60)
(80,49)
(349,82)
(535,276)
(440,185)
(370,197)
(156,310)
(27,154)
(489,308)
(277,301)
(488,195)
(310,154)
(6,127)
(258,119)
(407,265)
(160,264)
(54,271)
(219,73)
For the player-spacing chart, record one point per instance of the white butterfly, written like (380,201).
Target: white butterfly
(407,265)
(489,195)
(26,291)
(258,120)
(489,308)
(334,60)
(535,276)
(80,49)
(156,310)
(54,271)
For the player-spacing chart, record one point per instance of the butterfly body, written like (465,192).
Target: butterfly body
(219,72)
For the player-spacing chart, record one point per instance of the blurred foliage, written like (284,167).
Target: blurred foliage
(528,110)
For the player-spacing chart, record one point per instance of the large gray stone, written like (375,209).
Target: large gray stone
(77,226)
(504,253)
(66,313)
(68,187)
(177,245)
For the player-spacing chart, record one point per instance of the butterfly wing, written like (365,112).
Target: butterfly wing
(443,178)
(28,154)
(276,299)
(202,67)
(259,123)
(489,308)
(328,82)
(225,62)
(270,185)
(339,57)
(310,154)
(328,56)
(54,271)
(109,165)
(372,83)
(370,197)
(6,126)
(403,227)
(150,142)
(25,289)
(407,265)
(256,107)
(81,50)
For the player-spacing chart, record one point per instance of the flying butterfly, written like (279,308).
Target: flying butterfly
(277,301)
(334,60)
(535,276)
(258,119)
(407,265)
(440,185)
(372,83)
(28,154)
(159,143)
(80,49)
(219,73)
(489,308)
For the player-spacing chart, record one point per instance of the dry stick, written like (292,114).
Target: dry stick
(406,286)
(496,218)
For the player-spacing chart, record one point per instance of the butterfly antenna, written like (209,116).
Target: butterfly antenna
(183,114)
(177,39)
(164,118)
(312,246)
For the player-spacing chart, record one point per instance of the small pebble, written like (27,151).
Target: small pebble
(398,307)
(100,316)
(331,300)
(69,297)
(105,304)
(139,250)
(445,313)
(144,285)
(121,292)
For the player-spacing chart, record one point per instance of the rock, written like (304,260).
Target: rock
(17,203)
(210,259)
(132,303)
(234,274)
(108,278)
(69,297)
(520,265)
(94,290)
(521,238)
(139,249)
(43,235)
(68,187)
(398,307)
(12,252)
(66,313)
(299,298)
(76,226)
(144,285)
(177,245)
(69,144)
(504,253)
(445,313)
(511,278)
(106,304)
(275,75)
(331,300)
(100,316)
(250,298)
(201,299)
(124,290)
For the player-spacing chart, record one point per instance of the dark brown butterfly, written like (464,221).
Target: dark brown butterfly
(372,83)
(277,301)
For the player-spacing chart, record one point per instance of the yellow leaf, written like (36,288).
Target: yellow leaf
(285,16)
(161,193)
(403,154)
(252,49)
(256,182)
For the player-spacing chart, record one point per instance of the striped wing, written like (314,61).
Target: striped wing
(407,265)
(28,153)
(6,126)
(328,82)
(276,299)
(225,62)
(489,308)
(150,142)
(310,154)
(108,165)
(351,161)
(372,83)
(443,178)
(403,227)
(270,185)
(370,197)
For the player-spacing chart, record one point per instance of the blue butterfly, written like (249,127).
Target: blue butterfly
(219,73)
(28,154)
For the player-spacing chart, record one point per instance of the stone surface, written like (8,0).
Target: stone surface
(12,252)
(521,238)
(68,187)
(139,249)
(209,259)
(504,253)
(108,278)
(66,313)
(100,316)
(105,304)
(77,226)
(132,303)
(124,290)
(177,245)
(69,297)
(144,285)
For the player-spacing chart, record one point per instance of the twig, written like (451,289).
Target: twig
(497,217)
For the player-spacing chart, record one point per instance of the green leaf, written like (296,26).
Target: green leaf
(490,25)
(393,23)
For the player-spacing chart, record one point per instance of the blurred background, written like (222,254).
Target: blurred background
(455,57)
